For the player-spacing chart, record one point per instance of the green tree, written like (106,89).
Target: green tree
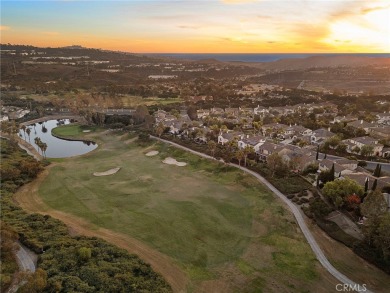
(212,146)
(383,240)
(276,164)
(36,282)
(377,171)
(373,207)
(332,142)
(374,204)
(367,150)
(331,173)
(374,184)
(40,111)
(337,191)
(84,254)
(192,112)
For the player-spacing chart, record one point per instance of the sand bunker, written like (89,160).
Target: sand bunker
(87,130)
(172,161)
(106,173)
(151,153)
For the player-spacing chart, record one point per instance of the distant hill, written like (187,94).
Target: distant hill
(321,62)
(73,47)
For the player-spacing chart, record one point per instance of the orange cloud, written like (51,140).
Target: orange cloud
(51,33)
(4,28)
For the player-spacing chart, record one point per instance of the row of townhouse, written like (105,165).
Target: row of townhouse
(262,111)
(356,144)
(297,158)
(344,168)
(283,131)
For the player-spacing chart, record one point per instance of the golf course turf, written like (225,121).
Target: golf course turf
(221,226)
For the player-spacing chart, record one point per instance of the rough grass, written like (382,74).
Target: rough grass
(204,215)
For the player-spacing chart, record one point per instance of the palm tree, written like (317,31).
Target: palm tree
(212,146)
(38,142)
(160,129)
(239,156)
(23,127)
(44,148)
(247,151)
(28,131)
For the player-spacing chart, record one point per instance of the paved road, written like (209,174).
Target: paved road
(24,259)
(298,216)
(25,263)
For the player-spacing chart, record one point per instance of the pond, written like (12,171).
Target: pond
(56,147)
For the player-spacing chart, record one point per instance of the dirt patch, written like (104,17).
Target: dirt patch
(346,224)
(172,161)
(107,173)
(151,153)
(348,263)
(27,198)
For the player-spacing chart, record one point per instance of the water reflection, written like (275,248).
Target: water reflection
(56,147)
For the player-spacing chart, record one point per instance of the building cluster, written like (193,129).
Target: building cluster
(296,144)
(12,113)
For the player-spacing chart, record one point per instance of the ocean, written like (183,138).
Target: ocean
(256,57)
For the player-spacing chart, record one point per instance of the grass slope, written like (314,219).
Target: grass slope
(216,222)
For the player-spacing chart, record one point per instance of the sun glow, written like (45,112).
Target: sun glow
(370,31)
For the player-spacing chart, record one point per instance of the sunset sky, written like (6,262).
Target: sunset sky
(201,26)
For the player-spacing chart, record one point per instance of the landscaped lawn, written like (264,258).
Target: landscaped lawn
(215,221)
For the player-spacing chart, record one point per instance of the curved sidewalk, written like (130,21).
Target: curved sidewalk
(298,216)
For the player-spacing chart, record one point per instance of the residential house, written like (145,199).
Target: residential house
(344,119)
(346,163)
(232,112)
(260,110)
(297,131)
(386,152)
(246,111)
(254,141)
(217,111)
(366,141)
(3,118)
(267,149)
(20,113)
(202,113)
(361,178)
(380,132)
(339,170)
(273,129)
(361,124)
(200,134)
(320,135)
(383,118)
(226,137)
(175,127)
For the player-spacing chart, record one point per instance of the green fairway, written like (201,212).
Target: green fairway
(209,218)
(71,130)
